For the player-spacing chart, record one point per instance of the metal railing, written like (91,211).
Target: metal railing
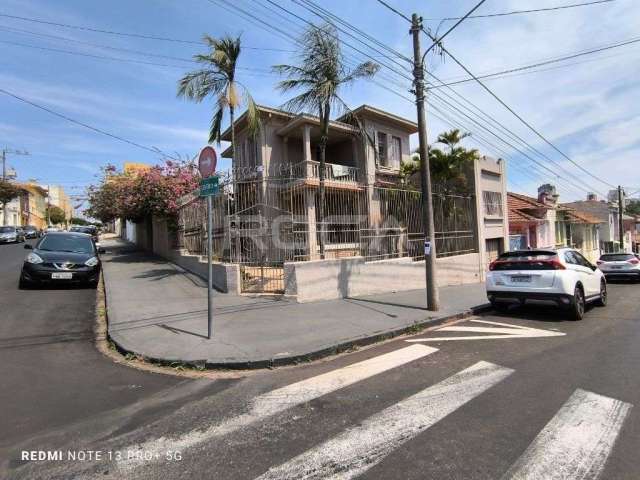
(332,171)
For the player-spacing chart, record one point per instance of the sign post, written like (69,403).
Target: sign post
(208,188)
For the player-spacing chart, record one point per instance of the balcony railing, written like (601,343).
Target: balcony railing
(332,172)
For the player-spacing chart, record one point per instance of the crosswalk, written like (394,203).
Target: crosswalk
(575,443)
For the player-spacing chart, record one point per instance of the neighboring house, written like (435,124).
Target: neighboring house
(33,205)
(531,222)
(607,214)
(545,223)
(12,212)
(492,213)
(59,198)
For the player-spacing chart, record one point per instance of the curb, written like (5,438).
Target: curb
(304,357)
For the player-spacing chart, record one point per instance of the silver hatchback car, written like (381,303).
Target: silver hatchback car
(620,265)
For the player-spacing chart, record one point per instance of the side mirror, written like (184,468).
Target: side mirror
(594,267)
(28,246)
(101,250)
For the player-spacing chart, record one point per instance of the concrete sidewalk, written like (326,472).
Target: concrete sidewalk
(159,311)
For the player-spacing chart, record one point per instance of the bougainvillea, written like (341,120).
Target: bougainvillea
(135,195)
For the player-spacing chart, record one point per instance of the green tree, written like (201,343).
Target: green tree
(55,215)
(320,74)
(449,166)
(78,221)
(218,79)
(633,207)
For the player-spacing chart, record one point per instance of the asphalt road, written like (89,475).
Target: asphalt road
(546,399)
(52,377)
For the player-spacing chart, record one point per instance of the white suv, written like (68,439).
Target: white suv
(617,265)
(561,276)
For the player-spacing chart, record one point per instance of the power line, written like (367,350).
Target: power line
(517,12)
(540,64)
(120,59)
(126,34)
(453,27)
(155,150)
(511,110)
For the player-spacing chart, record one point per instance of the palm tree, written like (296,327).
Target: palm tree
(217,78)
(320,74)
(448,166)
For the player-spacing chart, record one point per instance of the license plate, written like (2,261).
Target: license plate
(616,267)
(62,276)
(521,279)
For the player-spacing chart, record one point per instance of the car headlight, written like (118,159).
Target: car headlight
(92,262)
(34,258)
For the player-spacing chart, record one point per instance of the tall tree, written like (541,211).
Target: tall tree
(320,73)
(448,165)
(217,78)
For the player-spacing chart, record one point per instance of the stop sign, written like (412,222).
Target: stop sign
(207,162)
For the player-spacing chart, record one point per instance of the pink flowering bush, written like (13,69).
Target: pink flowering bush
(143,193)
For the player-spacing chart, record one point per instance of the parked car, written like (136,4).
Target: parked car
(9,234)
(62,257)
(620,265)
(88,229)
(31,232)
(561,276)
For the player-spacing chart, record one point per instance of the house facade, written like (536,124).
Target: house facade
(271,226)
(543,222)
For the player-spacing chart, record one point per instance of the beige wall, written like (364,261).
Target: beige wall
(329,279)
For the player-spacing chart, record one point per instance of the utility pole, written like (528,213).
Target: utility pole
(433,298)
(5,151)
(620,213)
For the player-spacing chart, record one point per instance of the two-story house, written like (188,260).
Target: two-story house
(285,154)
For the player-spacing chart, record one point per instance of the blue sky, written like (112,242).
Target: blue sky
(589,109)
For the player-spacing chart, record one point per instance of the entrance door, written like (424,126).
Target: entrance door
(494,247)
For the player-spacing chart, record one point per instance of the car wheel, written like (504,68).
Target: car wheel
(576,311)
(602,300)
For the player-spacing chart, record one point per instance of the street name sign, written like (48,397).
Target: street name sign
(209,186)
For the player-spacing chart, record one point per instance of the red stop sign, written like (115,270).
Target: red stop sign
(207,162)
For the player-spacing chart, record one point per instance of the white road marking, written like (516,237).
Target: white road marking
(504,329)
(281,399)
(576,442)
(359,448)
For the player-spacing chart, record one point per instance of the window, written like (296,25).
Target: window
(382,149)
(581,260)
(570,258)
(396,152)
(492,203)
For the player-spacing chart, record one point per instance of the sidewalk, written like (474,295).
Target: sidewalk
(159,311)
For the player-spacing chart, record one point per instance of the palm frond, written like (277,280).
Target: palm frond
(199,84)
(215,131)
(253,115)
(364,70)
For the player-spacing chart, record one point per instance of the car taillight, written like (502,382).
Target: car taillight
(634,261)
(556,265)
(492,265)
(599,262)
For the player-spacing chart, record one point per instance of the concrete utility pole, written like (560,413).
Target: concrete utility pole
(433,298)
(620,213)
(5,151)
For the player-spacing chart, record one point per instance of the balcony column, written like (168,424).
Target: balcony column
(312,229)
(306,145)
(285,166)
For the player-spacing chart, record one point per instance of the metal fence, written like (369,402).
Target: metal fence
(260,224)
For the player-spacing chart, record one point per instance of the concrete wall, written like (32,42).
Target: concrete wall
(347,277)
(225,278)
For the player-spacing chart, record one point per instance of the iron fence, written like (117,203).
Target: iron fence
(260,224)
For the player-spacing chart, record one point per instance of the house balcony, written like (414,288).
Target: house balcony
(336,176)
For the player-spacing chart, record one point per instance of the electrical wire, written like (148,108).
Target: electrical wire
(518,12)
(127,34)
(155,150)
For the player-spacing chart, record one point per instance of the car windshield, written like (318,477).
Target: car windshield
(617,257)
(7,229)
(66,243)
(30,228)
